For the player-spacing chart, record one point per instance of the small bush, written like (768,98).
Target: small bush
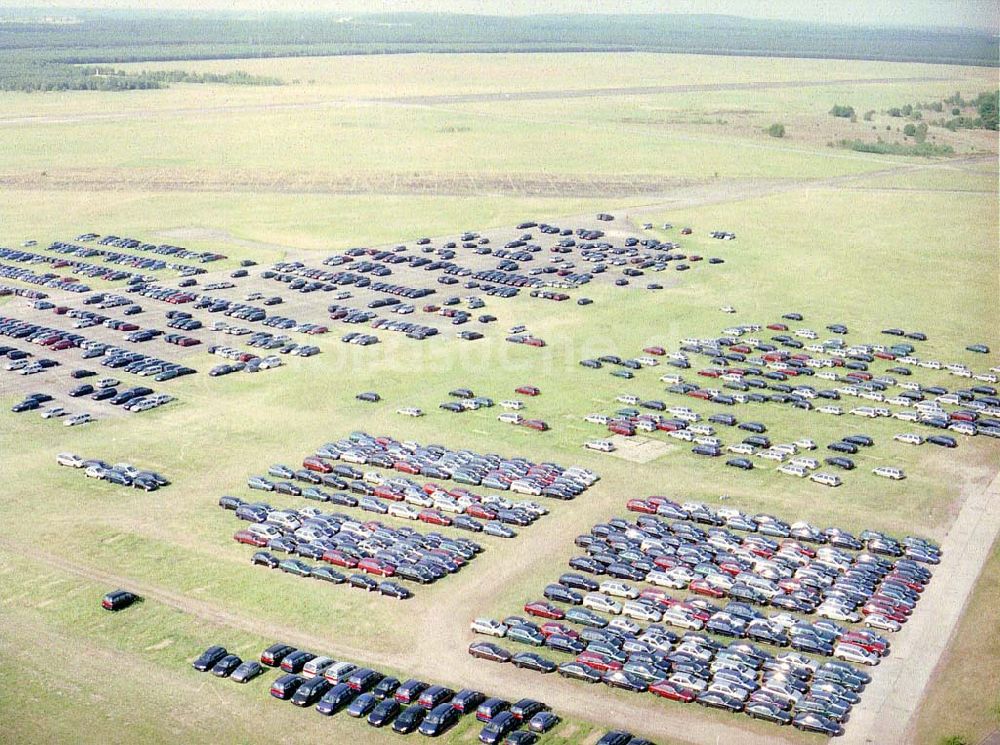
(776,130)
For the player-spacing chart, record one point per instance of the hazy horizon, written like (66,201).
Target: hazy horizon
(981,15)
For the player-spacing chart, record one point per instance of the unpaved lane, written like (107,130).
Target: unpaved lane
(432,100)
(886,712)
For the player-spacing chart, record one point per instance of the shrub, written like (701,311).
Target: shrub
(776,130)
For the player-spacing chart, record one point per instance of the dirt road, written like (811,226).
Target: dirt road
(886,712)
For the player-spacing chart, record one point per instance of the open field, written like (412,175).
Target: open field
(869,241)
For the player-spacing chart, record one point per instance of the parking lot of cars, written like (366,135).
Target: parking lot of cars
(777,617)
(329,687)
(751,372)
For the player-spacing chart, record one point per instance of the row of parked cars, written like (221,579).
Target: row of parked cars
(405,706)
(401,497)
(464,466)
(122,474)
(372,548)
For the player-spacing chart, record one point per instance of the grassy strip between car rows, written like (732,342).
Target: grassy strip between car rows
(962,704)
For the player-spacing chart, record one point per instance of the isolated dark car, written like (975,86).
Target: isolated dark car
(118,599)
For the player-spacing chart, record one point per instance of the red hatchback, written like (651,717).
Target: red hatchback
(543,609)
(251,539)
(672,692)
(340,559)
(317,465)
(641,505)
(598,661)
(374,566)
(527,390)
(433,517)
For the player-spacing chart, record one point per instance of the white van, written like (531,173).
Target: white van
(826,479)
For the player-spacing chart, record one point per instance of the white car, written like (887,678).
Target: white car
(446,503)
(69,459)
(667,579)
(596,418)
(866,411)
(54,412)
(514,405)
(826,479)
(403,511)
(910,438)
(681,619)
(837,613)
(741,448)
(805,444)
(889,472)
(626,399)
(417,497)
(688,682)
(875,621)
(834,410)
(510,417)
(597,601)
(78,419)
(641,612)
(854,653)
(619,589)
(811,463)
(410,411)
(790,469)
(624,626)
(489,627)
(604,446)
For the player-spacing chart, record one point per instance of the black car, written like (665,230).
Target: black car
(862,440)
(226,666)
(208,658)
(843,447)
(285,686)
(532,661)
(846,463)
(247,671)
(942,441)
(526,708)
(742,463)
(521,737)
(498,728)
(439,720)
(311,691)
(362,705)
(295,661)
(362,582)
(384,713)
(263,558)
(616,737)
(118,599)
(386,688)
(467,700)
(335,699)
(273,655)
(409,720)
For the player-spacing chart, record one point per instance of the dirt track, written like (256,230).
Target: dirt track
(188,112)
(647,90)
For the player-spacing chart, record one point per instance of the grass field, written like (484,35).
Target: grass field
(864,252)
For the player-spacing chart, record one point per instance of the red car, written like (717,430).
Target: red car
(387,492)
(527,390)
(671,692)
(406,467)
(598,661)
(433,517)
(875,647)
(478,510)
(339,559)
(533,341)
(658,351)
(641,505)
(621,429)
(702,587)
(543,609)
(317,465)
(553,627)
(374,566)
(536,424)
(709,373)
(777,327)
(703,395)
(251,539)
